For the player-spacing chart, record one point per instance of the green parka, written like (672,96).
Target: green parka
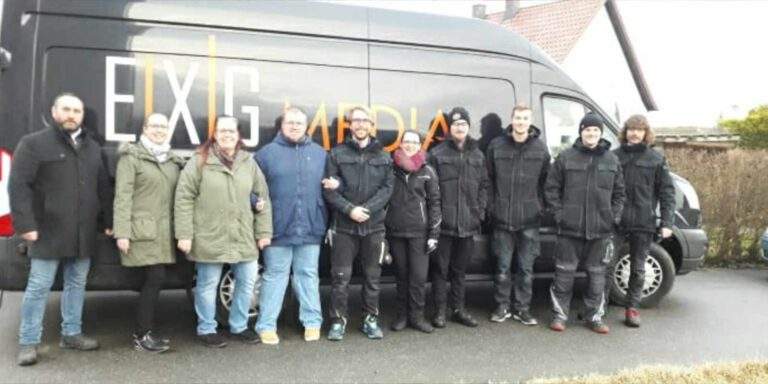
(213,208)
(143,206)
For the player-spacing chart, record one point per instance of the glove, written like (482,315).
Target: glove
(431,245)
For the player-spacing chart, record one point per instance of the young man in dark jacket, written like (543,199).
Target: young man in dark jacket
(413,228)
(517,166)
(649,184)
(58,189)
(464,186)
(364,172)
(585,191)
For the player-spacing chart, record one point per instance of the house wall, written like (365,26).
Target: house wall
(598,65)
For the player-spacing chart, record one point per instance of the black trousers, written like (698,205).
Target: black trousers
(412,265)
(639,243)
(450,262)
(595,255)
(346,249)
(154,276)
(522,247)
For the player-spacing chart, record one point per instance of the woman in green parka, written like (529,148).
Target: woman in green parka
(147,172)
(215,225)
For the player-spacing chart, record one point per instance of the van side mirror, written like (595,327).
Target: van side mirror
(5,59)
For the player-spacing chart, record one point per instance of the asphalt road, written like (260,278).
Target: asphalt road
(710,315)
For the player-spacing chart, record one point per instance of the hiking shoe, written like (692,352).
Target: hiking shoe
(148,343)
(400,322)
(27,355)
(632,318)
(247,336)
(338,328)
(79,342)
(557,325)
(212,340)
(312,334)
(598,327)
(464,318)
(421,324)
(269,337)
(525,318)
(371,327)
(501,314)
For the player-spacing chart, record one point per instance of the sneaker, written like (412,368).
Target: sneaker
(464,318)
(598,327)
(400,322)
(557,325)
(632,318)
(27,355)
(79,342)
(312,334)
(338,328)
(247,336)
(525,318)
(212,340)
(269,337)
(501,314)
(371,327)
(148,343)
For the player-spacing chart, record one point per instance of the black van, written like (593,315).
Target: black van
(194,60)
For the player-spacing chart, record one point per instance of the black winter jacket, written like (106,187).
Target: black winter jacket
(649,183)
(61,192)
(366,180)
(518,172)
(464,186)
(414,209)
(585,190)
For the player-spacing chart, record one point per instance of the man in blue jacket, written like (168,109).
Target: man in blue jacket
(293,165)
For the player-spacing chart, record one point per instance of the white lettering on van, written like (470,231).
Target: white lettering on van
(251,110)
(180,93)
(112,98)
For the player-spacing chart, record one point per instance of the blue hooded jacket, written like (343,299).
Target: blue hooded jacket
(294,172)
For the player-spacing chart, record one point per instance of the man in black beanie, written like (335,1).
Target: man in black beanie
(585,191)
(464,185)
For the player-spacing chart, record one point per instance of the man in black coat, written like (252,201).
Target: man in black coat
(464,186)
(59,187)
(649,184)
(364,172)
(585,191)
(517,165)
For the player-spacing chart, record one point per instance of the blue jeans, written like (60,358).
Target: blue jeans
(42,273)
(206,290)
(278,262)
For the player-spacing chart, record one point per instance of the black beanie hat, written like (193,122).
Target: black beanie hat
(458,113)
(591,119)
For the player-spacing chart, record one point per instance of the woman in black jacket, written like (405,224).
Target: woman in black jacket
(413,227)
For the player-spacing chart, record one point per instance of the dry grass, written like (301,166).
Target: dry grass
(750,372)
(732,186)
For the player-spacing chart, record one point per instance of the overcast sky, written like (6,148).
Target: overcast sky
(701,59)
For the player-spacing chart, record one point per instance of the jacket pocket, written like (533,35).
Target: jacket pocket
(571,218)
(447,169)
(605,175)
(143,228)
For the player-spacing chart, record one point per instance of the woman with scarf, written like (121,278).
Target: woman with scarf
(215,225)
(413,227)
(147,172)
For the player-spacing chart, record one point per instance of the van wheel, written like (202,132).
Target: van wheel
(659,276)
(226,291)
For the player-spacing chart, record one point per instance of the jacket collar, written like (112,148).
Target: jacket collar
(533,133)
(469,144)
(282,140)
(637,148)
(373,145)
(602,146)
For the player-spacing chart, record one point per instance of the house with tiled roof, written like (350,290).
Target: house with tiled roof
(588,39)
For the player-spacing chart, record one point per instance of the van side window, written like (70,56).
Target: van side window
(561,122)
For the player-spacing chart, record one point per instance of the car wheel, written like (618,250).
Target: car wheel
(226,291)
(659,276)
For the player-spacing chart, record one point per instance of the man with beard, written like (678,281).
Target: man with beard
(364,173)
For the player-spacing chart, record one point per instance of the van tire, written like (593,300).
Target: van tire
(659,273)
(224,292)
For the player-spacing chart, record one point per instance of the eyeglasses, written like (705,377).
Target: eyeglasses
(411,142)
(226,131)
(299,123)
(460,123)
(360,121)
(157,126)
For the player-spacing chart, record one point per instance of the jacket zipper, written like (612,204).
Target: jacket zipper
(423,216)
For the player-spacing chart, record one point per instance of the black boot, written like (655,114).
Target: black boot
(419,323)
(462,317)
(439,320)
(400,322)
(148,343)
